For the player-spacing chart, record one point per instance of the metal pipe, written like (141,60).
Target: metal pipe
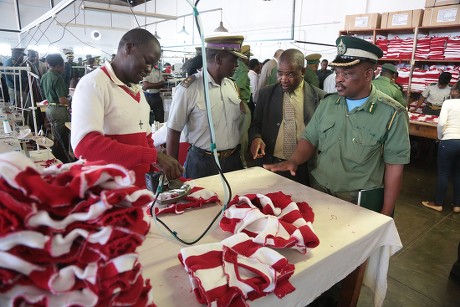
(55,10)
(10,30)
(18,16)
(185,15)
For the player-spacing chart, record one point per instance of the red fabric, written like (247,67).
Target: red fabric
(127,150)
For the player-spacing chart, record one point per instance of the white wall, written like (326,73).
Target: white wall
(265,24)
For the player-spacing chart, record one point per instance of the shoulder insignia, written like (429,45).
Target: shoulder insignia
(387,100)
(187,81)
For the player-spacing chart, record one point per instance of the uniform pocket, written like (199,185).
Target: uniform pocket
(364,146)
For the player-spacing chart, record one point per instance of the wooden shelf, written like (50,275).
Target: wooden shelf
(395,30)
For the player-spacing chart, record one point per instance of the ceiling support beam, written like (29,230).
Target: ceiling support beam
(51,13)
(90,7)
(18,16)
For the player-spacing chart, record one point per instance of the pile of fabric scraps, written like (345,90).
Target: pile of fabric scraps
(197,198)
(272,220)
(69,233)
(235,270)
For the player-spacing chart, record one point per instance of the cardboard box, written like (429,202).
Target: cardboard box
(402,19)
(433,3)
(363,21)
(441,16)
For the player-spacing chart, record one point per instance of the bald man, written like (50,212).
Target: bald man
(272,127)
(110,115)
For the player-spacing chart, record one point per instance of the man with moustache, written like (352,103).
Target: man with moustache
(110,115)
(360,133)
(188,110)
(282,112)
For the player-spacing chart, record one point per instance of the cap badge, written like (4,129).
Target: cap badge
(341,48)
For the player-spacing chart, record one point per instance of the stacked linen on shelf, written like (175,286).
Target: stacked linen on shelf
(394,48)
(403,77)
(405,53)
(452,51)
(69,235)
(432,75)
(422,50)
(382,43)
(437,47)
(418,83)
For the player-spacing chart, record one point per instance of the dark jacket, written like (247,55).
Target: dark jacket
(268,113)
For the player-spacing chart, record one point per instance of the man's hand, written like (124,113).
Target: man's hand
(169,166)
(257,148)
(282,166)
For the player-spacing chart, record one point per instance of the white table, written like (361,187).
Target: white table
(348,236)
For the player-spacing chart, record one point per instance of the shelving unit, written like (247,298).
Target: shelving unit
(410,32)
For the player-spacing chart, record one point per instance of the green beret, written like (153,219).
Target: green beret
(352,50)
(389,67)
(313,58)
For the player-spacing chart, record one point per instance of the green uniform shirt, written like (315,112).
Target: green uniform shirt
(311,77)
(53,86)
(242,81)
(354,146)
(385,85)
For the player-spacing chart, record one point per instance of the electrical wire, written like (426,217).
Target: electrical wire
(225,183)
(135,17)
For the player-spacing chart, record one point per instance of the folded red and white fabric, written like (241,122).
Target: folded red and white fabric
(197,198)
(68,235)
(235,270)
(272,220)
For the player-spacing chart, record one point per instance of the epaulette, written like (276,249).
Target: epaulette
(187,81)
(387,100)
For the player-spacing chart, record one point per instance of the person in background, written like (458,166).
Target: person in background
(268,73)
(361,135)
(448,152)
(323,72)
(110,115)
(38,67)
(167,68)
(193,65)
(56,92)
(253,75)
(311,69)
(282,112)
(434,95)
(188,110)
(91,65)
(69,73)
(151,84)
(386,83)
(15,83)
(241,78)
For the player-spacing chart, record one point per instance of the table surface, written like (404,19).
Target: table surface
(348,236)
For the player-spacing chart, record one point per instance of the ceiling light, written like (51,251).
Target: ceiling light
(221,27)
(183,31)
(156,35)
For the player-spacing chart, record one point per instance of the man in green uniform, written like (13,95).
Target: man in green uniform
(242,81)
(385,83)
(56,92)
(312,66)
(361,135)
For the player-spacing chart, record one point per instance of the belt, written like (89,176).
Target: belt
(57,105)
(222,154)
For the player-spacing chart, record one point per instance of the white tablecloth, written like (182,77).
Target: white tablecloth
(349,235)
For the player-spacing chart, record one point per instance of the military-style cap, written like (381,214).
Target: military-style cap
(230,43)
(246,50)
(352,50)
(18,51)
(313,58)
(389,67)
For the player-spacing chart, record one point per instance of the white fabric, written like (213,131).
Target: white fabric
(159,136)
(329,83)
(266,71)
(254,85)
(99,105)
(188,109)
(348,236)
(449,120)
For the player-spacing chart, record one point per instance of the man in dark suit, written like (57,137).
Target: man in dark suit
(282,112)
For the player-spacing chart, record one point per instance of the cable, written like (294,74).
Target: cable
(135,17)
(226,185)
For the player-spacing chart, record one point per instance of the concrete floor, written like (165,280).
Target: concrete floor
(418,273)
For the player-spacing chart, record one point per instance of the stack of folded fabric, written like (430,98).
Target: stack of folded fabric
(403,77)
(69,235)
(437,48)
(272,220)
(382,44)
(230,272)
(394,48)
(418,83)
(432,119)
(405,53)
(452,51)
(422,50)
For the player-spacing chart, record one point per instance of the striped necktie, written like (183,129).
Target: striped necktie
(290,131)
